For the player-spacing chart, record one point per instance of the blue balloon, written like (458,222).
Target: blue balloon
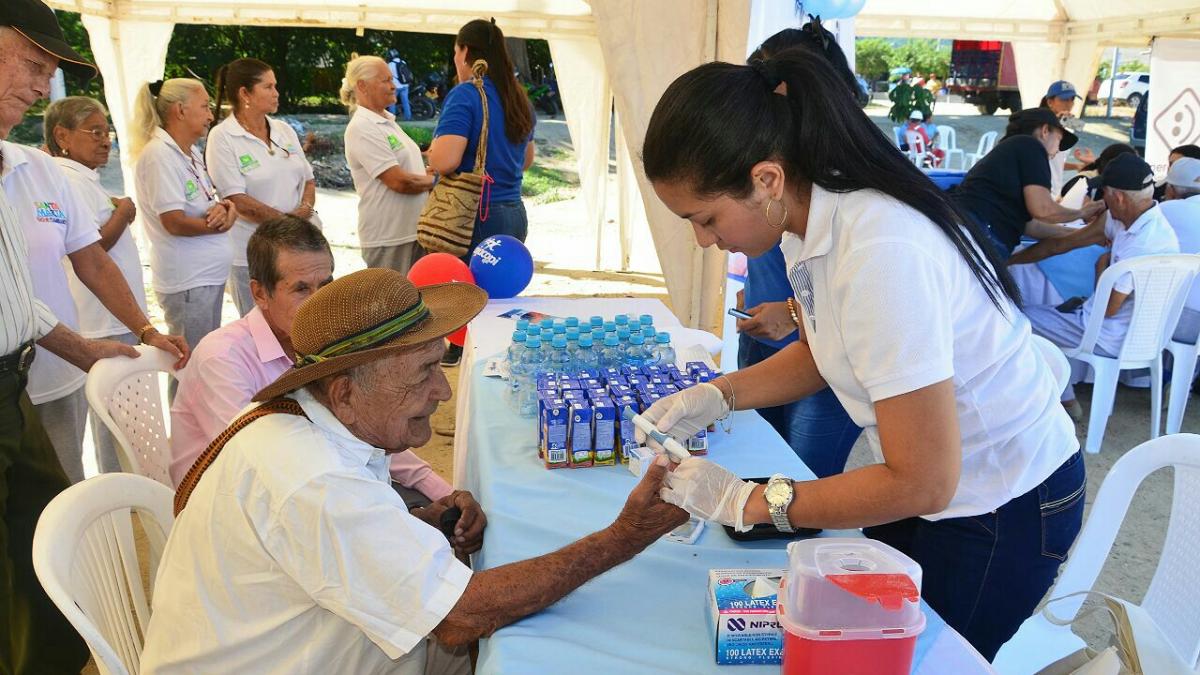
(833,9)
(502,266)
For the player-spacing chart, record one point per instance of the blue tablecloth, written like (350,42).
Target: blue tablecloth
(1073,274)
(647,615)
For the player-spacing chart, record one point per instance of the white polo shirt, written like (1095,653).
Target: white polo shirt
(95,321)
(55,222)
(1150,234)
(241,164)
(167,179)
(1183,215)
(311,565)
(890,307)
(374,144)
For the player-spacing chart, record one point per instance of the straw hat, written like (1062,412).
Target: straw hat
(369,315)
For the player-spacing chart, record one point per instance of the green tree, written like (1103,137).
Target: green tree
(1105,69)
(923,56)
(872,57)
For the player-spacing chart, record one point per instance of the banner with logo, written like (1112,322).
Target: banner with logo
(1173,114)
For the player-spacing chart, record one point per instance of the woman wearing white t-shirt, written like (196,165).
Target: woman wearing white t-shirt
(389,174)
(256,162)
(58,226)
(185,222)
(914,327)
(77,136)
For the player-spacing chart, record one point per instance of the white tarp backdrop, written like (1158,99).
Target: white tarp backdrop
(1173,112)
(634,49)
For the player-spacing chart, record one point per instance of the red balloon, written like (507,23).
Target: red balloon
(439,268)
(458,337)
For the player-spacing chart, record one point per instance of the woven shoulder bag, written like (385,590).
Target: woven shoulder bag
(448,218)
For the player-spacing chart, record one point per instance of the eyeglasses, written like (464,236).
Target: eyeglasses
(97,134)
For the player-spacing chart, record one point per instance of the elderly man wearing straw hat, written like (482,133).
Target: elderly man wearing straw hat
(314,565)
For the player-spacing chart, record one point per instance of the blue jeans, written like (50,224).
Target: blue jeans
(503,218)
(402,100)
(986,574)
(817,427)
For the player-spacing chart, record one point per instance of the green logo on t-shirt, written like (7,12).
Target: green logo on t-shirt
(190,190)
(393,142)
(247,163)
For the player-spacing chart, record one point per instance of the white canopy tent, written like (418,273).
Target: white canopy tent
(622,54)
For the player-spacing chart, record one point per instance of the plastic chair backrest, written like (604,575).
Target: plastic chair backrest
(1160,286)
(947,137)
(916,142)
(898,135)
(1184,217)
(85,557)
(986,143)
(126,395)
(1060,368)
(1173,595)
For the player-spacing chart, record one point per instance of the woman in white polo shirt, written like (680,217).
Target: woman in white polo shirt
(185,222)
(256,162)
(77,136)
(903,315)
(389,174)
(60,226)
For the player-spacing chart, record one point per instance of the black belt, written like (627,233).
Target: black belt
(18,362)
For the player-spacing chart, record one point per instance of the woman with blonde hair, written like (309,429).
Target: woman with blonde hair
(256,162)
(185,222)
(389,174)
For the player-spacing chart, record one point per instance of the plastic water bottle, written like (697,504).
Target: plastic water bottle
(572,322)
(621,320)
(534,331)
(610,327)
(648,333)
(516,356)
(663,349)
(560,328)
(598,337)
(546,323)
(586,357)
(646,320)
(522,325)
(623,335)
(596,322)
(573,336)
(611,356)
(560,361)
(635,352)
(533,364)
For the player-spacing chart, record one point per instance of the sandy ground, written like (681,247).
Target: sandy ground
(565,255)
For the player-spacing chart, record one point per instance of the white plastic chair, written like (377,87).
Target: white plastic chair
(1184,354)
(1173,595)
(918,154)
(948,140)
(84,555)
(1160,285)
(1060,368)
(125,394)
(898,136)
(986,143)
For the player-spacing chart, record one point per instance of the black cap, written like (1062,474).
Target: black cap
(1127,172)
(1032,118)
(35,20)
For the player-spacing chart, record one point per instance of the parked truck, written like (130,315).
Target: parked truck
(984,73)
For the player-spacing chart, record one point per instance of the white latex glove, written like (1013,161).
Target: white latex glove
(685,413)
(708,491)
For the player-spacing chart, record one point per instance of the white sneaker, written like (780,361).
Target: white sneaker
(1074,409)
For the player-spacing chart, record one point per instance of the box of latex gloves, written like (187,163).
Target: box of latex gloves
(741,610)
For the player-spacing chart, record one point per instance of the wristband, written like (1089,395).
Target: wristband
(142,333)
(791,305)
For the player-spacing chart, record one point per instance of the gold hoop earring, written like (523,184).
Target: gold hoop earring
(782,220)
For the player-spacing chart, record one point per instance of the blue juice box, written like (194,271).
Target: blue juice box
(625,436)
(553,437)
(741,613)
(604,431)
(579,433)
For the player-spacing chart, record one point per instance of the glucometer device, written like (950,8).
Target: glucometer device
(672,446)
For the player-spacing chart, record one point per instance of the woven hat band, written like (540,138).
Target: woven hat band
(370,337)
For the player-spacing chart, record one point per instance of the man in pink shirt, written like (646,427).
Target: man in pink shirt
(289,260)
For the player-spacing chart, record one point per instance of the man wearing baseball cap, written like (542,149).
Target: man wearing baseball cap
(34,636)
(1181,208)
(1134,226)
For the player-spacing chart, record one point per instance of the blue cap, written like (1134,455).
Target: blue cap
(533,342)
(597,321)
(646,319)
(598,334)
(518,336)
(522,324)
(571,321)
(572,333)
(621,319)
(623,333)
(663,338)
(560,329)
(546,323)
(637,339)
(610,340)
(610,326)
(559,341)
(585,340)
(533,331)
(1061,89)
(649,332)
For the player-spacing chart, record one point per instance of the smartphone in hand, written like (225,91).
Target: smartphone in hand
(739,314)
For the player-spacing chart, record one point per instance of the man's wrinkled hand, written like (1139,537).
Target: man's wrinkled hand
(645,516)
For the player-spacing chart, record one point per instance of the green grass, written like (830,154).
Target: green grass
(545,186)
(419,135)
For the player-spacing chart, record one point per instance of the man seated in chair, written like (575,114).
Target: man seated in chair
(1134,226)
(314,564)
(289,260)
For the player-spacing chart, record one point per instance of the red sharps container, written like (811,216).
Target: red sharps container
(849,606)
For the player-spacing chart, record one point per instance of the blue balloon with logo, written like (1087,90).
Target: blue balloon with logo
(502,266)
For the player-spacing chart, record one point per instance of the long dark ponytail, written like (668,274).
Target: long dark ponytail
(817,131)
(484,40)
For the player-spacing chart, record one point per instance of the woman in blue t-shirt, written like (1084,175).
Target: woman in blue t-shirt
(510,130)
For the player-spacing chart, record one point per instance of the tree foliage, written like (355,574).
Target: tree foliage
(1134,66)
(923,56)
(873,58)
